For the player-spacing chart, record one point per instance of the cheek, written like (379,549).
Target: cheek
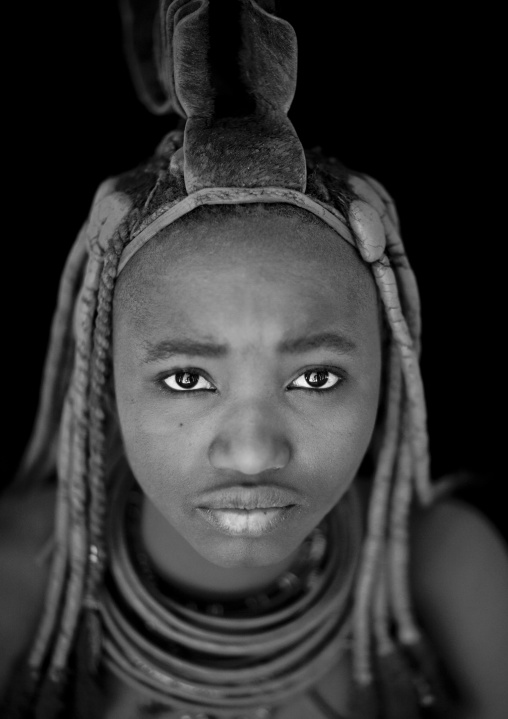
(334,442)
(157,446)
(157,449)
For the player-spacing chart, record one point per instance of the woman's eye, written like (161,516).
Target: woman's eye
(183,380)
(317,379)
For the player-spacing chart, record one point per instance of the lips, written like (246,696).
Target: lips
(247,522)
(249,498)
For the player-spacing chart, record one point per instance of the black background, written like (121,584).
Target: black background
(408,96)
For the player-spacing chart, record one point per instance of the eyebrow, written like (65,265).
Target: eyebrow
(166,349)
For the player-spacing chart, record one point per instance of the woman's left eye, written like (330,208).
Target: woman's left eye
(318,379)
(185,380)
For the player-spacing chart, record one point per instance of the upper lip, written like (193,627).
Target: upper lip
(259,497)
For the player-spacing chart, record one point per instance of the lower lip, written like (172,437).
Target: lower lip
(246,522)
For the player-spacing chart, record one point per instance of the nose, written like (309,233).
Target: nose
(250,442)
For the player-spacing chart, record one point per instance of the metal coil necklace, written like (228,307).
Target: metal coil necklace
(237,659)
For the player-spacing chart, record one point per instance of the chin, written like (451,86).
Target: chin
(243,553)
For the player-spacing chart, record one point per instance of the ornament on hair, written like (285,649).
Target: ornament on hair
(233,88)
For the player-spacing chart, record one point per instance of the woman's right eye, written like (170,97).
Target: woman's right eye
(187,381)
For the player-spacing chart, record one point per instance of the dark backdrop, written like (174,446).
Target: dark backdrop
(406,96)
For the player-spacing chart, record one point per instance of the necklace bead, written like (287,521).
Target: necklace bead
(259,713)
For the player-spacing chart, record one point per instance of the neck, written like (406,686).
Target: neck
(176,561)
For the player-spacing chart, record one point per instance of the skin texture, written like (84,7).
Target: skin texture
(248,282)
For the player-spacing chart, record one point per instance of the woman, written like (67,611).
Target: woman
(235,349)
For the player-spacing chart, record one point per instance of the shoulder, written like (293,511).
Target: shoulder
(26,523)
(459,568)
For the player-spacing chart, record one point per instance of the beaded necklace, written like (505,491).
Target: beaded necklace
(237,659)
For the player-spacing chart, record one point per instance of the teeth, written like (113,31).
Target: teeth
(242,521)
(247,509)
(247,519)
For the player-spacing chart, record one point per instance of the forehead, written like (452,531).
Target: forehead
(261,264)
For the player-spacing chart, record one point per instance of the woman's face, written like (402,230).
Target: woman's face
(247,361)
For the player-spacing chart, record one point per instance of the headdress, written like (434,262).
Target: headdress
(232,89)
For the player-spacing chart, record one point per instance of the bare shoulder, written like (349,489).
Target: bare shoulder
(459,568)
(26,524)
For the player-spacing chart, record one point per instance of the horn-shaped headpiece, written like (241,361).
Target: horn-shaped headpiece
(229,69)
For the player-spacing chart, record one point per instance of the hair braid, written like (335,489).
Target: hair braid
(78,490)
(100,372)
(399,545)
(376,523)
(381,608)
(387,284)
